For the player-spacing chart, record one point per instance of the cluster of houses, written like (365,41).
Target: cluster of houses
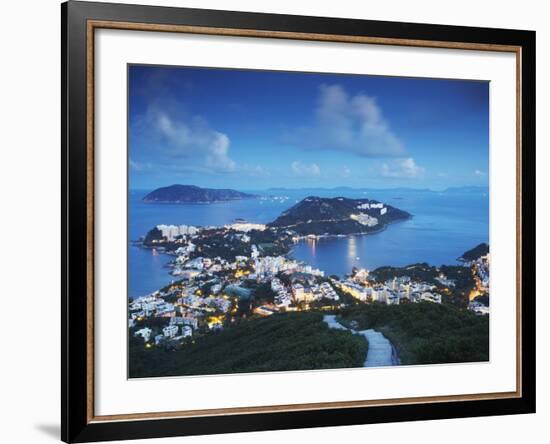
(481,271)
(295,285)
(480,268)
(207,304)
(282,297)
(311,291)
(478,308)
(147,306)
(245,226)
(172,232)
(302,291)
(373,205)
(172,332)
(391,292)
(184,316)
(268,266)
(364,219)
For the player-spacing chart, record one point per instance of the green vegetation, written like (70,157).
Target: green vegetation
(475,253)
(191,194)
(263,294)
(153,235)
(457,295)
(422,272)
(426,333)
(224,243)
(323,215)
(286,341)
(464,284)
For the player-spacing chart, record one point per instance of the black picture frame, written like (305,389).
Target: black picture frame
(77,319)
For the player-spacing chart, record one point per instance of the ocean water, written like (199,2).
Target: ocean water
(444,225)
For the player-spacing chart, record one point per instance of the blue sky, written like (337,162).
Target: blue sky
(247,129)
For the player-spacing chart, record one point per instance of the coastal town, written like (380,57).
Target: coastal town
(223,275)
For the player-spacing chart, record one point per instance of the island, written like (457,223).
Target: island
(337,216)
(193,194)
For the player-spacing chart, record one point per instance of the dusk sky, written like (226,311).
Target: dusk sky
(253,130)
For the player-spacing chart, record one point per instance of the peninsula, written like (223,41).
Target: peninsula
(337,216)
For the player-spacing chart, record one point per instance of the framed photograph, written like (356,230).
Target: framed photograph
(275,221)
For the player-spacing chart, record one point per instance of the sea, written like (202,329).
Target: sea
(444,225)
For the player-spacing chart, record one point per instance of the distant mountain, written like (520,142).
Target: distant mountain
(194,194)
(346,189)
(475,253)
(469,189)
(338,215)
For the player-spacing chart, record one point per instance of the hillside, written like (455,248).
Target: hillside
(194,194)
(475,253)
(288,341)
(427,333)
(338,215)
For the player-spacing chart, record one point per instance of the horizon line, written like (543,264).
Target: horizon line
(335,188)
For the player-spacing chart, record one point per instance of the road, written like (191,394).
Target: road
(381,351)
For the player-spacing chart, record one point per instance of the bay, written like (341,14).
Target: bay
(443,226)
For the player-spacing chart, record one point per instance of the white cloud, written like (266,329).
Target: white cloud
(139,166)
(300,169)
(254,170)
(350,123)
(402,169)
(479,173)
(135,165)
(191,141)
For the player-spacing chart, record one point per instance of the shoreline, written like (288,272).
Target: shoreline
(359,233)
(206,202)
(170,265)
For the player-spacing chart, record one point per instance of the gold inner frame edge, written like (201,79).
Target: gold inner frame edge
(92,25)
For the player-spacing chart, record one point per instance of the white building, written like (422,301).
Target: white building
(186,331)
(392,299)
(383,295)
(362,275)
(276,284)
(185,319)
(245,226)
(170,331)
(298,291)
(283,299)
(478,308)
(364,219)
(170,232)
(357,291)
(145,333)
(431,297)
